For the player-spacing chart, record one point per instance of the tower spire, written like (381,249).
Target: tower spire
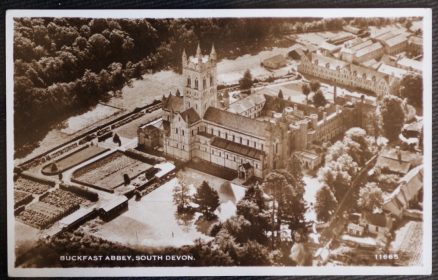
(213,55)
(198,52)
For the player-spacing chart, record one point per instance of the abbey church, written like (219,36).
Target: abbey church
(198,127)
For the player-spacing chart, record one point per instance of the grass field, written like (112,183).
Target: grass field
(107,172)
(74,159)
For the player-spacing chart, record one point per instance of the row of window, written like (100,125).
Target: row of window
(196,86)
(231,157)
(236,139)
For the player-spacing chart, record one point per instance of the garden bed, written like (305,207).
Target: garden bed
(51,208)
(21,198)
(31,186)
(108,172)
(72,159)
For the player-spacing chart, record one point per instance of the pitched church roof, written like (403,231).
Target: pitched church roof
(236,122)
(173,103)
(190,116)
(237,148)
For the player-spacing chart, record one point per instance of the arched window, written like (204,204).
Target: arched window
(196,83)
(211,80)
(204,83)
(189,81)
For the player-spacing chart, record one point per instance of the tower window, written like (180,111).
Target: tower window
(211,80)
(196,83)
(204,84)
(189,82)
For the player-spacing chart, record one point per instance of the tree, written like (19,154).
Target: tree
(325,204)
(306,90)
(280,94)
(207,199)
(391,116)
(319,99)
(315,86)
(411,87)
(181,196)
(370,197)
(252,253)
(246,82)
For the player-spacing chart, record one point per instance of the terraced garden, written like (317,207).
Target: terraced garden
(51,208)
(72,159)
(107,173)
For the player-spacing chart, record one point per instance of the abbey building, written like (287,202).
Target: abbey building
(197,127)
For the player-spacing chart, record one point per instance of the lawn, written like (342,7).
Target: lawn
(80,122)
(145,91)
(73,159)
(107,173)
(150,222)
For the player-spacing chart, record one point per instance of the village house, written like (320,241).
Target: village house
(379,224)
(407,192)
(397,161)
(275,62)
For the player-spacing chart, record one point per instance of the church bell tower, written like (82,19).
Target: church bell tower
(200,80)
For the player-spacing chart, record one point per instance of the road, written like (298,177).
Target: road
(338,221)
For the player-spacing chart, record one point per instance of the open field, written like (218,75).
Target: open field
(141,225)
(107,173)
(78,123)
(30,186)
(230,71)
(129,130)
(145,91)
(73,159)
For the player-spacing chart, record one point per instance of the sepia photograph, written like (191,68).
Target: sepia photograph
(239,141)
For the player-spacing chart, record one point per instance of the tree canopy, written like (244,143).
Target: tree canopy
(391,116)
(246,81)
(411,87)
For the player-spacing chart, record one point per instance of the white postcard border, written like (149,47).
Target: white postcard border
(426,268)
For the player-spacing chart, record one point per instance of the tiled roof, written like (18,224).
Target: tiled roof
(236,122)
(366,50)
(362,45)
(275,59)
(392,71)
(410,63)
(190,116)
(237,148)
(173,103)
(395,40)
(247,103)
(397,161)
(376,219)
(333,62)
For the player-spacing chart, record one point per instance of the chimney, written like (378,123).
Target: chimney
(398,151)
(334,94)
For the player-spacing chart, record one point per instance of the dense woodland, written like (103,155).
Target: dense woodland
(65,65)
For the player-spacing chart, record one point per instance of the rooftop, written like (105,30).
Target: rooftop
(395,40)
(173,103)
(247,103)
(236,122)
(190,116)
(237,148)
(333,63)
(411,63)
(392,71)
(366,50)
